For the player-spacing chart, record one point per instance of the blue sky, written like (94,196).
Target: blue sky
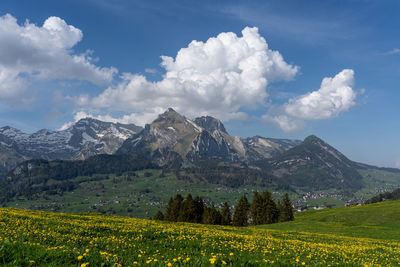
(102,59)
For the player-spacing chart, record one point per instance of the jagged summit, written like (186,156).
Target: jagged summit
(171,116)
(203,137)
(211,124)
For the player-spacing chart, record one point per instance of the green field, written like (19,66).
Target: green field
(141,195)
(353,236)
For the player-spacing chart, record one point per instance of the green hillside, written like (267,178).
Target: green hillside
(140,193)
(379,220)
(357,236)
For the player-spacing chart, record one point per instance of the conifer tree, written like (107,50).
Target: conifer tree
(286,209)
(257,209)
(211,215)
(188,210)
(240,217)
(199,209)
(270,212)
(174,208)
(226,215)
(168,213)
(159,216)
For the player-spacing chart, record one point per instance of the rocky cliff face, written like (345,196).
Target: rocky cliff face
(171,134)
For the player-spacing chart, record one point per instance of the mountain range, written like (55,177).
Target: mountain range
(174,137)
(174,141)
(170,137)
(106,162)
(85,138)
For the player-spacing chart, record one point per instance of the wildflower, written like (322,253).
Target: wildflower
(80,257)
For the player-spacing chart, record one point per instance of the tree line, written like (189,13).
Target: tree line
(263,210)
(394,195)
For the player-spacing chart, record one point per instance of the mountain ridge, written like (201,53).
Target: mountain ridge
(202,137)
(85,138)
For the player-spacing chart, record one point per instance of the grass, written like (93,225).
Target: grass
(378,221)
(139,196)
(142,195)
(355,236)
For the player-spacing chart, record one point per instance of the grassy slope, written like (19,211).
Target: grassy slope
(378,181)
(380,221)
(33,238)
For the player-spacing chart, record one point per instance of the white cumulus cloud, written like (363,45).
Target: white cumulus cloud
(29,51)
(335,95)
(216,77)
(135,118)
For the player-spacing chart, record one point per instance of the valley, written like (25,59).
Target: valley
(142,193)
(141,170)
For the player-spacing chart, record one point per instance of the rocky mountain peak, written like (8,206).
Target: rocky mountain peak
(85,138)
(313,139)
(211,124)
(171,116)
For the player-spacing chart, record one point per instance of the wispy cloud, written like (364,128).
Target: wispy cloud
(151,71)
(300,26)
(394,51)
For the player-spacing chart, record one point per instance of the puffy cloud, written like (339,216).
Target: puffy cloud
(136,118)
(43,52)
(335,95)
(11,85)
(216,77)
